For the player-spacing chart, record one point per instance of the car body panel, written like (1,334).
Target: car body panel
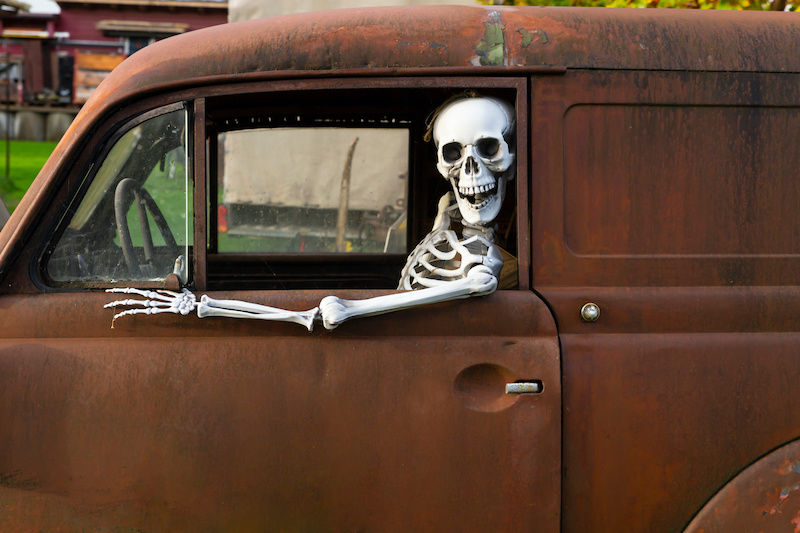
(762,497)
(399,422)
(240,424)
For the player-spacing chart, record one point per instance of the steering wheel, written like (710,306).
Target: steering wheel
(144,202)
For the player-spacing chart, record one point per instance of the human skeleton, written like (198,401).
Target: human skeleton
(474,144)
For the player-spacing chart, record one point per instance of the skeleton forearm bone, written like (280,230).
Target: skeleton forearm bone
(237,309)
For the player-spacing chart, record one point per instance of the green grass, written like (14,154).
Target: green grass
(27,158)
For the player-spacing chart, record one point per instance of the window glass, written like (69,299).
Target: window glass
(134,221)
(312,190)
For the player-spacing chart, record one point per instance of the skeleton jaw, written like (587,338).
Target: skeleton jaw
(478,197)
(479,205)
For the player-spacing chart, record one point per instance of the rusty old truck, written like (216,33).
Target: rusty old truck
(637,370)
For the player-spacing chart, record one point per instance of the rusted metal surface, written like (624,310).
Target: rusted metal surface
(699,198)
(764,497)
(200,244)
(655,424)
(234,425)
(680,237)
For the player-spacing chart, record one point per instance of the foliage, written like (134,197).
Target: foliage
(759,5)
(27,158)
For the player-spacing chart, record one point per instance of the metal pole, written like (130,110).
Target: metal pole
(8,114)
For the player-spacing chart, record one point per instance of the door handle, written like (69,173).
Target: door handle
(524,387)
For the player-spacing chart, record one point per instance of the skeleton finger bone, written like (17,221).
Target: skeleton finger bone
(156,302)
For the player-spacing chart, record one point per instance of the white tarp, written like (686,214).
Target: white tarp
(252,9)
(302,167)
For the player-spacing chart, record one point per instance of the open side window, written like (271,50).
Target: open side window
(132,222)
(324,188)
(307,197)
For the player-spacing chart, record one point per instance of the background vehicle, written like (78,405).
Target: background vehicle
(656,179)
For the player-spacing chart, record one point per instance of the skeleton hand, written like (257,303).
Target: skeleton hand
(160,301)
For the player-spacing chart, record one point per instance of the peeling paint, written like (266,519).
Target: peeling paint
(783,495)
(789,467)
(435,45)
(15,481)
(491,48)
(528,37)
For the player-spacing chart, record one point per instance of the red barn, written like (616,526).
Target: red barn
(65,55)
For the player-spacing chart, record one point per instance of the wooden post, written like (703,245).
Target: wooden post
(344,199)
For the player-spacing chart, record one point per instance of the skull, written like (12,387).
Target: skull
(472,143)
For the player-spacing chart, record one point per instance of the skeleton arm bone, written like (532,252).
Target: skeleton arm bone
(238,309)
(333,311)
(480,280)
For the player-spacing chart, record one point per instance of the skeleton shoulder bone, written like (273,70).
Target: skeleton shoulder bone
(474,138)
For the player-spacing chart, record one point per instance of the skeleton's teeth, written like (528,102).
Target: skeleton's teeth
(472,191)
(480,194)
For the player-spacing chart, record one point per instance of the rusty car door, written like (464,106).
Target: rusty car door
(171,422)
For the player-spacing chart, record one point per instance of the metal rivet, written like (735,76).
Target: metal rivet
(590,312)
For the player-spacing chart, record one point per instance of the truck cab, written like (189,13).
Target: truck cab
(649,293)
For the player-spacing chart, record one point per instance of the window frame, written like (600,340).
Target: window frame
(77,175)
(88,171)
(515,84)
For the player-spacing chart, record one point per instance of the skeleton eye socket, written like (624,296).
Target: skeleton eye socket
(488,148)
(451,152)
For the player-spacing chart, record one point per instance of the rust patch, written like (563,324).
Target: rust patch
(14,480)
(783,495)
(760,498)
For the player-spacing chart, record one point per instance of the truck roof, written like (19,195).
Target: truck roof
(458,37)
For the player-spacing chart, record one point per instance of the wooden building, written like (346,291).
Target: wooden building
(59,58)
